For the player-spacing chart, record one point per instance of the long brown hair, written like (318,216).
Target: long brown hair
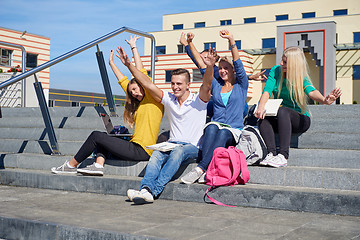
(131,104)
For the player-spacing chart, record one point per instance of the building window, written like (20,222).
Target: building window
(308,15)
(75,104)
(199,25)
(268,43)
(250,20)
(197,76)
(168,76)
(225,22)
(356,72)
(209,45)
(282,17)
(51,102)
(181,48)
(160,50)
(356,37)
(238,44)
(31,60)
(5,57)
(178,26)
(340,12)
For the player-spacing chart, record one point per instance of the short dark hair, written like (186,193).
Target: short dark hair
(180,71)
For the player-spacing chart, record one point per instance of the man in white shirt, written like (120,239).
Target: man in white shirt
(187,115)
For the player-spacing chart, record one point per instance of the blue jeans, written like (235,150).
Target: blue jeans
(213,138)
(162,166)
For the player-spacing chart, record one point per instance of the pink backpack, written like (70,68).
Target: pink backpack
(225,168)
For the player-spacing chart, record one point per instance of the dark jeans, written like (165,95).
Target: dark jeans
(213,138)
(105,144)
(286,122)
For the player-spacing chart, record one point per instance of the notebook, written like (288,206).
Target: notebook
(109,127)
(271,107)
(163,147)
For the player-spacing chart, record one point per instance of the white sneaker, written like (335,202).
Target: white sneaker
(131,193)
(278,161)
(64,169)
(202,178)
(192,176)
(144,196)
(268,157)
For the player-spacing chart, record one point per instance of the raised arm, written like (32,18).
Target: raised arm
(234,51)
(132,42)
(329,99)
(117,72)
(205,88)
(143,79)
(198,59)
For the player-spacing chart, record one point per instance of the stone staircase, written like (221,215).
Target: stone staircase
(323,174)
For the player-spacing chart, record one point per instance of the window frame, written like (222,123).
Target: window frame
(180,26)
(8,58)
(157,50)
(212,45)
(282,17)
(340,12)
(307,15)
(226,22)
(264,39)
(199,25)
(356,72)
(250,20)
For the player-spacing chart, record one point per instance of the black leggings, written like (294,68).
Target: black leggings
(286,122)
(105,144)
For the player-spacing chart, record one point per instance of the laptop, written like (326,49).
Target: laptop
(109,127)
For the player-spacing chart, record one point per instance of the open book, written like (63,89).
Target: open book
(163,147)
(271,107)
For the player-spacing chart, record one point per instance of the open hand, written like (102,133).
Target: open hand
(132,41)
(332,96)
(123,56)
(210,57)
(183,39)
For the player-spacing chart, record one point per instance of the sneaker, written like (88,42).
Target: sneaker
(142,197)
(131,193)
(92,169)
(202,178)
(278,161)
(268,157)
(64,169)
(192,176)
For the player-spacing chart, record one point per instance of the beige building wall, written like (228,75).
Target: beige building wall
(251,36)
(33,44)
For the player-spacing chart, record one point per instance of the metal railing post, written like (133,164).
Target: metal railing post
(46,117)
(106,83)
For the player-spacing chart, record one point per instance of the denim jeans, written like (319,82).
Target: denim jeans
(213,138)
(162,166)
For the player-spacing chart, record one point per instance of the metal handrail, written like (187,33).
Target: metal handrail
(81,49)
(23,61)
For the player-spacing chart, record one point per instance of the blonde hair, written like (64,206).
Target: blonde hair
(296,71)
(131,105)
(227,59)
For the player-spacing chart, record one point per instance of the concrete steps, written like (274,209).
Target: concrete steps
(322,175)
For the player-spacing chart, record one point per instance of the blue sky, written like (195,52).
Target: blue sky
(73,23)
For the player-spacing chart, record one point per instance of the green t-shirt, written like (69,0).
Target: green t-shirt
(272,87)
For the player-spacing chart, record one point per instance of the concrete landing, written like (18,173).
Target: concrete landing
(28,213)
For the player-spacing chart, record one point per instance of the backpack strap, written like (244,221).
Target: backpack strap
(213,200)
(243,165)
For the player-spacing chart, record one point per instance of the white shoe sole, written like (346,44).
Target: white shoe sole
(61,172)
(88,172)
(275,165)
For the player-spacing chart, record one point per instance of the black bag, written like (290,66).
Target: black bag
(250,118)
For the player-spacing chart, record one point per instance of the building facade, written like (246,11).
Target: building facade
(37,52)
(255,30)
(70,98)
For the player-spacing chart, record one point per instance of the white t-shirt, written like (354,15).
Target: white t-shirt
(186,121)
